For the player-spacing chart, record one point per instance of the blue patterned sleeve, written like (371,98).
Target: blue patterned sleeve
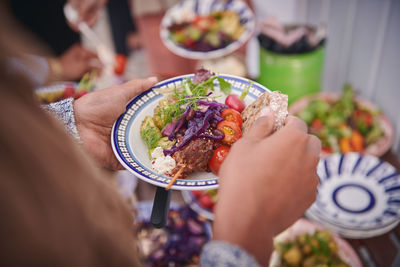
(222,254)
(64,111)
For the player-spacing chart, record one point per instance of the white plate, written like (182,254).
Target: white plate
(131,150)
(345,251)
(358,195)
(204,7)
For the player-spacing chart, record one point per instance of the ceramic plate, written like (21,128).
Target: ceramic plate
(358,195)
(204,7)
(380,146)
(345,251)
(131,150)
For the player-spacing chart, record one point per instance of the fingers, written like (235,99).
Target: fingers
(134,87)
(295,122)
(263,126)
(314,145)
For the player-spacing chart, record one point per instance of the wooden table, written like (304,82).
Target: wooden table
(379,251)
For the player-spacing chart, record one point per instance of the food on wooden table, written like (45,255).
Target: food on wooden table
(179,243)
(207,33)
(310,250)
(342,124)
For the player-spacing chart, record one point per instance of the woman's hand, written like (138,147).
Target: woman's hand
(77,61)
(95,114)
(266,183)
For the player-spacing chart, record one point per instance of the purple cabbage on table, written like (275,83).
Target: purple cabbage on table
(187,233)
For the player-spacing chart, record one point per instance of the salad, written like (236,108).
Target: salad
(344,124)
(190,131)
(179,243)
(60,91)
(309,250)
(207,33)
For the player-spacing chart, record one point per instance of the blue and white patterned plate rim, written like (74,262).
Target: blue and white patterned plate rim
(205,7)
(377,180)
(120,134)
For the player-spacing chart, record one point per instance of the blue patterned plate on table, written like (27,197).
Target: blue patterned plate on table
(189,8)
(131,150)
(358,195)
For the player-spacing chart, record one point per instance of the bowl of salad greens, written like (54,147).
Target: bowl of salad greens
(206,29)
(308,244)
(345,122)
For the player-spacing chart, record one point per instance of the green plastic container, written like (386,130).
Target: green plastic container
(295,75)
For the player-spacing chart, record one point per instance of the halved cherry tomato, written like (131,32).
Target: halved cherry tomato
(231,131)
(230,114)
(217,158)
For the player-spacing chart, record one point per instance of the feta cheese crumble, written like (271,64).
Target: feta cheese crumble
(162,164)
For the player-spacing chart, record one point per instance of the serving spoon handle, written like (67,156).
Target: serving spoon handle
(160,209)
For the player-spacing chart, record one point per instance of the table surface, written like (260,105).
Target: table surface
(383,250)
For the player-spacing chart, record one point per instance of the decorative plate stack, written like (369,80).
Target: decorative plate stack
(358,195)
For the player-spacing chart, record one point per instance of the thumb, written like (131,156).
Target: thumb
(134,87)
(263,126)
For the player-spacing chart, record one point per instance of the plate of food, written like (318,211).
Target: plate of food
(62,90)
(345,123)
(179,243)
(206,29)
(358,195)
(309,244)
(203,202)
(176,134)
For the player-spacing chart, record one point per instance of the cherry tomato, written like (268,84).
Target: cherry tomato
(68,92)
(206,201)
(317,124)
(204,23)
(230,114)
(189,42)
(231,131)
(120,62)
(217,158)
(80,94)
(233,101)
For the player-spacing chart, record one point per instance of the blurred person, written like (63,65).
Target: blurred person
(58,208)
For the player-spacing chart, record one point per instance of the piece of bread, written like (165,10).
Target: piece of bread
(276,101)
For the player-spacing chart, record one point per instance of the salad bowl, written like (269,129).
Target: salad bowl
(190,12)
(380,144)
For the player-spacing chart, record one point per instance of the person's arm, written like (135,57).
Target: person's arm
(64,111)
(223,254)
(267,182)
(90,118)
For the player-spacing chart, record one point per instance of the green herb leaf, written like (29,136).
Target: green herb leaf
(224,86)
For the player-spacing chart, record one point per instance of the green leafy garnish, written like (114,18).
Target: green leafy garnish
(224,86)
(187,95)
